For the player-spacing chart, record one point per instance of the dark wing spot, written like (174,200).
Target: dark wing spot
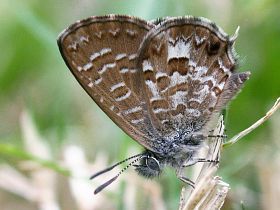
(213,48)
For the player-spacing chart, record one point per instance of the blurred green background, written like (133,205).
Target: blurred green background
(40,100)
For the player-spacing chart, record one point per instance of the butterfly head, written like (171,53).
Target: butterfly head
(150,165)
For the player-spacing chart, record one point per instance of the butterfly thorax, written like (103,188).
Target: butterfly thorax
(178,151)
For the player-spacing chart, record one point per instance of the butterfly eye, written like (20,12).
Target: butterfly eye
(153,163)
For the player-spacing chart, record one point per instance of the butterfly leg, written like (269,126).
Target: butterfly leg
(184,179)
(217,136)
(187,181)
(201,160)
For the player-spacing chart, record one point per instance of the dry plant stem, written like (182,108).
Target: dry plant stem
(210,191)
(217,196)
(182,198)
(203,186)
(255,125)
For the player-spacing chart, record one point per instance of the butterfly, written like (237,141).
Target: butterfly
(163,82)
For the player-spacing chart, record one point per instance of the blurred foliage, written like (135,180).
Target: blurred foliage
(33,76)
(13,154)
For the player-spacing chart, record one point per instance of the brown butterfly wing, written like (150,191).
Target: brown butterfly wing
(101,52)
(188,65)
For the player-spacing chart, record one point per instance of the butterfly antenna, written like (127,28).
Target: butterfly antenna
(113,166)
(101,187)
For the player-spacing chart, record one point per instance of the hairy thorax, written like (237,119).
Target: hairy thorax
(182,149)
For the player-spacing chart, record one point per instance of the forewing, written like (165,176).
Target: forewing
(187,63)
(101,52)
